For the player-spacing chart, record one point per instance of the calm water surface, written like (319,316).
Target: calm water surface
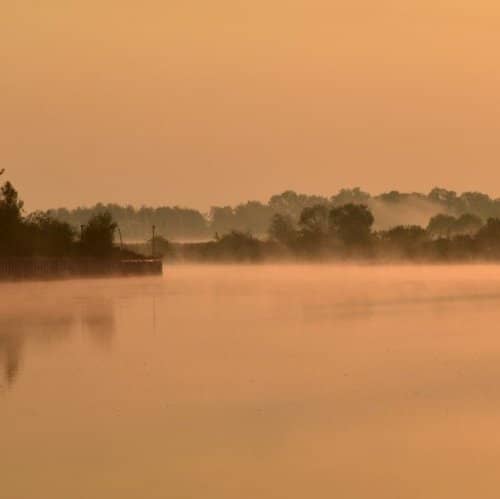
(261,382)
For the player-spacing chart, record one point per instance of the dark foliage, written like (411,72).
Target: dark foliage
(136,224)
(297,225)
(390,209)
(442,225)
(49,237)
(235,246)
(12,233)
(282,229)
(488,238)
(98,236)
(41,235)
(352,224)
(403,241)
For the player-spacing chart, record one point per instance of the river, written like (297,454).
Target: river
(246,382)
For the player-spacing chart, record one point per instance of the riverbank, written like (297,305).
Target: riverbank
(246,249)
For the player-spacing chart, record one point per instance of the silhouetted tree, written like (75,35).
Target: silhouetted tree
(393,197)
(352,224)
(237,246)
(221,219)
(354,196)
(460,247)
(282,229)
(253,217)
(314,219)
(488,238)
(405,240)
(443,196)
(441,225)
(291,203)
(10,205)
(477,203)
(313,229)
(98,235)
(135,224)
(50,237)
(467,224)
(12,234)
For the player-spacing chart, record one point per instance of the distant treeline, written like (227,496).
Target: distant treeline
(349,225)
(389,210)
(325,232)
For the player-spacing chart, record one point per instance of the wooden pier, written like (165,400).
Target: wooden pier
(60,268)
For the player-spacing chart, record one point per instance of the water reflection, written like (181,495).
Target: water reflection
(320,381)
(39,324)
(10,354)
(98,321)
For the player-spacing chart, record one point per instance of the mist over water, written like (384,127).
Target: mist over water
(233,381)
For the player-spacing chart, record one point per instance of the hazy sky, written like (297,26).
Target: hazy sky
(211,102)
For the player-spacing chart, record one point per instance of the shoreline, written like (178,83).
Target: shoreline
(61,268)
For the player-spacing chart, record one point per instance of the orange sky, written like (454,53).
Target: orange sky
(211,102)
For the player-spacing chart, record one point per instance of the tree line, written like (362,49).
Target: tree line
(461,227)
(347,232)
(40,234)
(177,223)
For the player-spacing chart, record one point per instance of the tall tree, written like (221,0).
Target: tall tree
(352,224)
(98,235)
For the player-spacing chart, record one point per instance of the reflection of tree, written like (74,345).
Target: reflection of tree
(47,326)
(99,321)
(30,324)
(10,354)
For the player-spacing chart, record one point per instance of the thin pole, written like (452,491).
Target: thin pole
(153,242)
(121,240)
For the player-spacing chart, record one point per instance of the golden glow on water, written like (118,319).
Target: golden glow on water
(244,382)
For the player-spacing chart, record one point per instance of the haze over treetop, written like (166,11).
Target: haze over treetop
(389,209)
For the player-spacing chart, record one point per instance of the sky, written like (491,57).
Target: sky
(198,103)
